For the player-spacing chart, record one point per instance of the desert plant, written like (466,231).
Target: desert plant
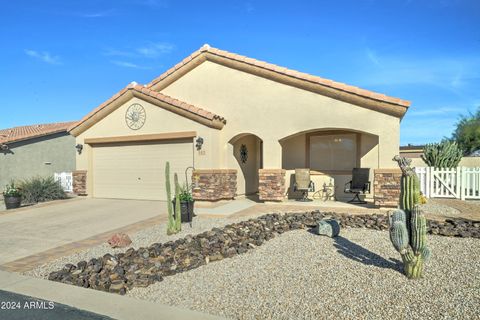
(40,189)
(185,194)
(408,226)
(178,213)
(12,191)
(171,220)
(446,154)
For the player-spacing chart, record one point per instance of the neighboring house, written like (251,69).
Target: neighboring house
(37,150)
(244,124)
(415,153)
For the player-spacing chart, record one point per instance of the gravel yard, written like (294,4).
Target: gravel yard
(144,238)
(298,275)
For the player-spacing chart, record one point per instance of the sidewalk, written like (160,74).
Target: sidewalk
(103,303)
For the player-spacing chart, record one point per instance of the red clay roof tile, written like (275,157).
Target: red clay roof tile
(28,132)
(154,94)
(282,70)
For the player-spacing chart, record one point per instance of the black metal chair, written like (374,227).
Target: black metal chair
(358,184)
(303,183)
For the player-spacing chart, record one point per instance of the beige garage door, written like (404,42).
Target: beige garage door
(137,170)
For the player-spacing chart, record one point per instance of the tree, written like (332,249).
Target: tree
(467,133)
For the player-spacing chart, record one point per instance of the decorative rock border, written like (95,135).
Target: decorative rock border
(140,268)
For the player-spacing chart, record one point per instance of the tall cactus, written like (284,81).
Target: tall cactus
(171,220)
(178,214)
(445,154)
(408,226)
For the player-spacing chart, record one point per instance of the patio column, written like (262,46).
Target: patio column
(271,179)
(272,155)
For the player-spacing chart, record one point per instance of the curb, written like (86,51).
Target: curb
(108,304)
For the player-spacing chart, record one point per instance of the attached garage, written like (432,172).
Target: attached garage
(123,146)
(136,170)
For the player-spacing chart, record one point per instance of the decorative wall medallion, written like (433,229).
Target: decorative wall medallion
(243,153)
(135,116)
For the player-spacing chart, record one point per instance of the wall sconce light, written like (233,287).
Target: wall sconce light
(199,143)
(79,148)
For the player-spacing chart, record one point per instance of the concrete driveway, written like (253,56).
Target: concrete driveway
(29,231)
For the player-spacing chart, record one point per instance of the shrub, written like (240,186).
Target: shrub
(39,189)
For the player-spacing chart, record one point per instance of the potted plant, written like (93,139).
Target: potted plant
(12,196)
(186,204)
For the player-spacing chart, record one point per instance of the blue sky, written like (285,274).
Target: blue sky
(60,59)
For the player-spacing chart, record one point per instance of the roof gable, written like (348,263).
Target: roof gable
(340,91)
(134,90)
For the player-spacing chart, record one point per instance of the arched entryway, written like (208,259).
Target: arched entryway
(248,154)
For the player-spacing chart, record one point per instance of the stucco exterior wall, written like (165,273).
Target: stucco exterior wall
(273,111)
(158,120)
(37,157)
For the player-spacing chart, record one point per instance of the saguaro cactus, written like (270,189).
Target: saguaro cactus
(171,220)
(178,214)
(408,226)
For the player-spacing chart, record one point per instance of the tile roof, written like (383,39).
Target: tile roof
(28,132)
(284,71)
(139,89)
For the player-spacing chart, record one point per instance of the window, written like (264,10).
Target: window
(333,152)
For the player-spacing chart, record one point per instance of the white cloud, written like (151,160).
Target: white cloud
(100,14)
(372,56)
(126,64)
(449,73)
(154,50)
(120,53)
(43,56)
(436,111)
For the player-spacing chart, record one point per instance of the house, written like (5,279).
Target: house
(36,150)
(244,125)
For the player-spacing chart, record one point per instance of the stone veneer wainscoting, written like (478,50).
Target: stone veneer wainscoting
(271,184)
(387,187)
(80,182)
(214,184)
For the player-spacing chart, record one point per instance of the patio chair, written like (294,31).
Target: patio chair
(303,183)
(358,184)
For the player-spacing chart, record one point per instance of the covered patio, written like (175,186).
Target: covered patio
(330,154)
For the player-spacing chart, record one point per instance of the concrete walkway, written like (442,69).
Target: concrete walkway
(31,230)
(227,208)
(107,304)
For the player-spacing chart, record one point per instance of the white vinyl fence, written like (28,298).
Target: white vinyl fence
(461,182)
(65,179)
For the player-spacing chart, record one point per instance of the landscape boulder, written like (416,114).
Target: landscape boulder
(329,228)
(119,240)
